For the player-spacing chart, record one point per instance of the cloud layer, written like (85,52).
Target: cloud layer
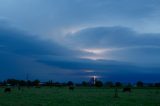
(119,43)
(74,39)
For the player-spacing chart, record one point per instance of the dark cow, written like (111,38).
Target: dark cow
(127,89)
(71,88)
(7,90)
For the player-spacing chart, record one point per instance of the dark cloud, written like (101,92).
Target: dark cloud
(113,37)
(107,70)
(21,42)
(123,43)
(22,53)
(19,52)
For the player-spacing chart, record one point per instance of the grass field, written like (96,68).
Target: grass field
(79,97)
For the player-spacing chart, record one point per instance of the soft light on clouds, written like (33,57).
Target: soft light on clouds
(95,51)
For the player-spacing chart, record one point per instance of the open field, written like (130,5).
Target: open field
(79,97)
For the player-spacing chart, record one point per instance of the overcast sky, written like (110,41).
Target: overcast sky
(75,39)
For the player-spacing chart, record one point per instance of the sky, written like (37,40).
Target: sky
(62,40)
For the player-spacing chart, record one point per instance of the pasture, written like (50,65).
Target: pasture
(47,96)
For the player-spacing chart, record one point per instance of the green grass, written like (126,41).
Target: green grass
(79,97)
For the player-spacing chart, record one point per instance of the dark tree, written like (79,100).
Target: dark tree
(99,84)
(84,83)
(150,85)
(140,84)
(4,83)
(118,84)
(109,84)
(70,83)
(57,84)
(22,83)
(29,83)
(12,82)
(157,84)
(36,82)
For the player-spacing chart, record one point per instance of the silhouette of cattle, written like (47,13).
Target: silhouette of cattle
(71,88)
(126,89)
(7,90)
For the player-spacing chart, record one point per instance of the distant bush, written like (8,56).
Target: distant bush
(70,83)
(118,84)
(140,84)
(157,84)
(99,84)
(84,83)
(109,84)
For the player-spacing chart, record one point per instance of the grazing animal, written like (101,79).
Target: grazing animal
(71,88)
(7,90)
(127,89)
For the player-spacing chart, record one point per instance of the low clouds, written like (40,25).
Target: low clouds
(27,54)
(120,43)
(113,37)
(20,52)
(23,43)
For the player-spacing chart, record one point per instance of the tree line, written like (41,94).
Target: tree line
(98,83)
